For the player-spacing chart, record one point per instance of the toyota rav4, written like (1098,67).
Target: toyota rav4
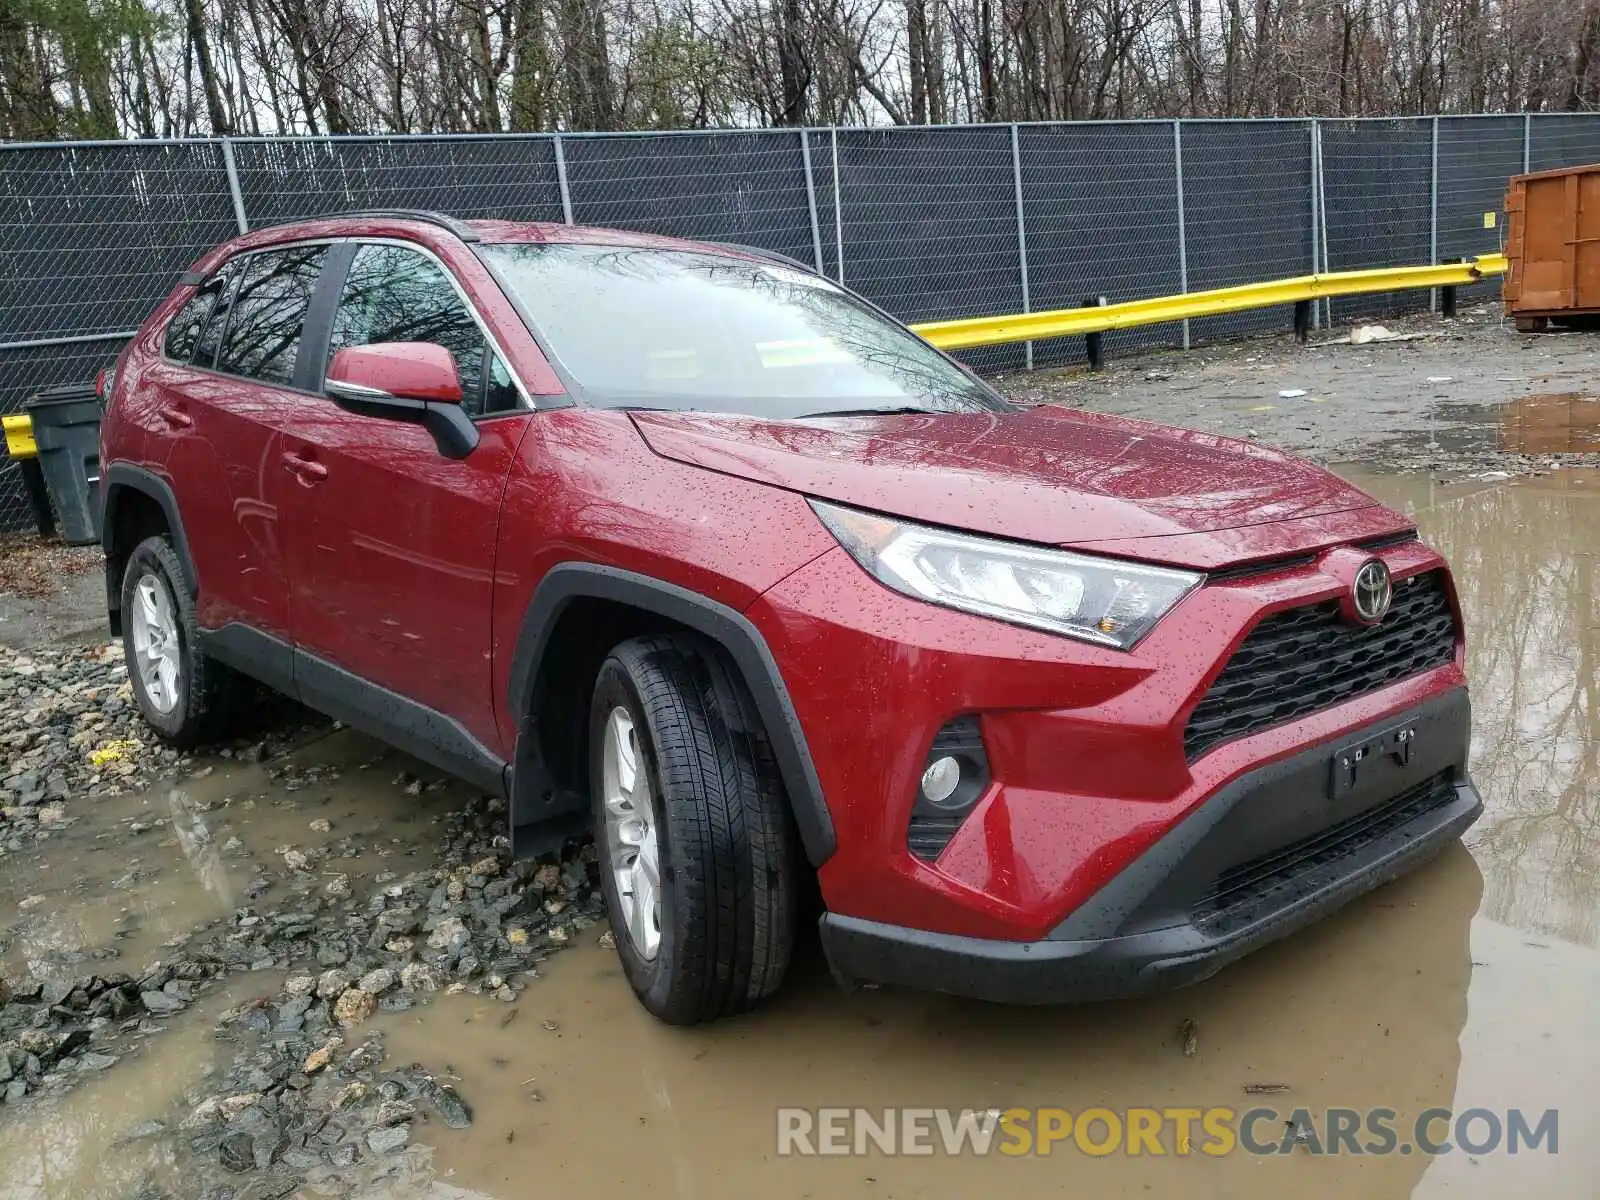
(691,543)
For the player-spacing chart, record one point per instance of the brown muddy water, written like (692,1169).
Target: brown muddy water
(1472,983)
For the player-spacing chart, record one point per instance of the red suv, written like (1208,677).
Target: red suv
(693,544)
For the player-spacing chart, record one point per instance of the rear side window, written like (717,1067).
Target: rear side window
(393,294)
(262,336)
(183,333)
(205,351)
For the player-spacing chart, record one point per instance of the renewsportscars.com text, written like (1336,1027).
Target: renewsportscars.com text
(1214,1131)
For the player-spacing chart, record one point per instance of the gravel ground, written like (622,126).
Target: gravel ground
(307,1100)
(1463,398)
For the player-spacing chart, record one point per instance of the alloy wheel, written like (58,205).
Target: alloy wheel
(631,838)
(155,642)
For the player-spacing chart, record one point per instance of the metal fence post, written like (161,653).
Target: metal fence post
(1022,237)
(561,181)
(1322,211)
(1433,213)
(1316,187)
(232,169)
(1527,142)
(811,198)
(838,209)
(1183,232)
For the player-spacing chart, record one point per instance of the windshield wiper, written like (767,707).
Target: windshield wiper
(888,410)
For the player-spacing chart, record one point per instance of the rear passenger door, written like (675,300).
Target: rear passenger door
(391,544)
(237,375)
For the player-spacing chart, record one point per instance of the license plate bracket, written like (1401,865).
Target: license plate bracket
(1355,761)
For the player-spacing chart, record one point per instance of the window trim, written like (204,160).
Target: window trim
(490,340)
(324,328)
(237,261)
(305,327)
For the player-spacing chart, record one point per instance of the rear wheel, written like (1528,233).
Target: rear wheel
(698,855)
(184,696)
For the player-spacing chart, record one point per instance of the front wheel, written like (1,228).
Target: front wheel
(698,857)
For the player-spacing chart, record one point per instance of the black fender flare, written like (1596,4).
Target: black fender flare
(120,479)
(729,628)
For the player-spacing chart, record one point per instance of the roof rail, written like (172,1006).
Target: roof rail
(444,220)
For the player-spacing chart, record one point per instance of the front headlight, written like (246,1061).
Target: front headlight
(1099,600)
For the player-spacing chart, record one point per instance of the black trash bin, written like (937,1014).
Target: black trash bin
(66,428)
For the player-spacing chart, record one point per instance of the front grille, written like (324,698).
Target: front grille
(1268,883)
(1306,659)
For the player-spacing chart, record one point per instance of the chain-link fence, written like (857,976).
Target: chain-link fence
(926,222)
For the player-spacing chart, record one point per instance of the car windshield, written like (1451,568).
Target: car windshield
(642,327)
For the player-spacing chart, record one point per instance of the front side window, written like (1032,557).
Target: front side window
(268,314)
(639,327)
(183,333)
(395,294)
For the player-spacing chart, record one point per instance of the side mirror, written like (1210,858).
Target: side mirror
(404,381)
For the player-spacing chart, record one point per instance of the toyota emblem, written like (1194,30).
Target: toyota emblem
(1371,592)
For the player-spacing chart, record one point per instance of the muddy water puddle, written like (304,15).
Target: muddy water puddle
(1471,983)
(1468,984)
(1366,1009)
(1539,425)
(101,1141)
(139,870)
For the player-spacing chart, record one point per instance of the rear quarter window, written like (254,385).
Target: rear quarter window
(183,331)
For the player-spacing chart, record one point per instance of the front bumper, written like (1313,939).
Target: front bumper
(1265,855)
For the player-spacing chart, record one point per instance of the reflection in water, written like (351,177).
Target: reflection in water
(195,840)
(1329,1013)
(1524,562)
(1565,423)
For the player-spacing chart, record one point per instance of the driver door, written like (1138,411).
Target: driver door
(390,543)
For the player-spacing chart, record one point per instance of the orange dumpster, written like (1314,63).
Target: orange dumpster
(1553,246)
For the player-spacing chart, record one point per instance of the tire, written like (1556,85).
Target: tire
(726,850)
(196,700)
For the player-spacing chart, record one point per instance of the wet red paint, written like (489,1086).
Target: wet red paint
(414,571)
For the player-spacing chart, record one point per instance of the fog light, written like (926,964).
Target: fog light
(941,779)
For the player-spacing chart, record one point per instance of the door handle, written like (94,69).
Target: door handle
(307,469)
(177,418)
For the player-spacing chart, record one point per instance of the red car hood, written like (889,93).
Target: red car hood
(1049,475)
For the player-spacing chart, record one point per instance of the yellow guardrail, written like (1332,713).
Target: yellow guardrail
(19,436)
(968,332)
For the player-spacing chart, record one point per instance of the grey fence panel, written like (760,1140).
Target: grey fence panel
(1477,155)
(737,186)
(1563,141)
(929,218)
(1377,181)
(91,237)
(513,178)
(1247,214)
(1101,204)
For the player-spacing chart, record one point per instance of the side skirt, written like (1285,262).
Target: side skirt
(423,732)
